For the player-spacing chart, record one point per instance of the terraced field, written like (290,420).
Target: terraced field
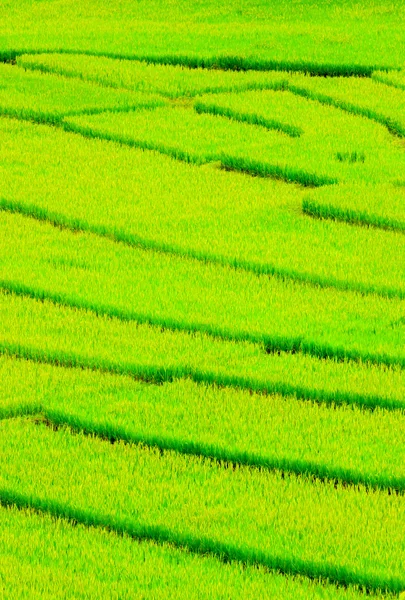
(202,300)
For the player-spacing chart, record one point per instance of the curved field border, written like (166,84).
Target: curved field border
(230,459)
(225,63)
(203,545)
(353,217)
(120,236)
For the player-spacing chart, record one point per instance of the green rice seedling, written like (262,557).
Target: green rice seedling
(281,521)
(349,444)
(381,206)
(323,39)
(345,147)
(196,138)
(309,159)
(45,557)
(360,96)
(86,271)
(43,97)
(163,204)
(395,78)
(46,332)
(169,80)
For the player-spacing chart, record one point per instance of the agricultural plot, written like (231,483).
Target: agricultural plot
(202,300)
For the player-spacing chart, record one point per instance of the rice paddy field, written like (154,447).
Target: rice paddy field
(202,299)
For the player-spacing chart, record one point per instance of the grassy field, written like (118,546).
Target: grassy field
(202,299)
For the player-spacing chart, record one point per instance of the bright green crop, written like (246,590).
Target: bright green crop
(270,431)
(171,81)
(330,142)
(46,558)
(394,78)
(161,203)
(277,520)
(329,38)
(202,299)
(381,206)
(48,97)
(69,336)
(362,96)
(87,271)
(314,158)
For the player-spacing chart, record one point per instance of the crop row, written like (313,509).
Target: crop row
(376,98)
(345,443)
(365,97)
(70,336)
(48,98)
(190,210)
(45,557)
(208,34)
(381,206)
(132,284)
(281,521)
(203,137)
(170,81)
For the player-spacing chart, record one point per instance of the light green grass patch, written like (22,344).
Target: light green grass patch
(280,521)
(381,206)
(45,557)
(348,443)
(169,80)
(50,333)
(161,203)
(82,270)
(47,98)
(362,96)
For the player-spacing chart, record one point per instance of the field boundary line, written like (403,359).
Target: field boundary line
(189,94)
(159,374)
(317,210)
(229,162)
(223,63)
(325,473)
(250,119)
(336,574)
(393,127)
(119,236)
(270,344)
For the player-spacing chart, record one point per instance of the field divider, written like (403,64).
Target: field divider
(158,374)
(286,174)
(190,94)
(57,120)
(229,163)
(223,62)
(393,84)
(173,152)
(251,119)
(119,236)
(228,459)
(352,217)
(328,573)
(394,127)
(270,344)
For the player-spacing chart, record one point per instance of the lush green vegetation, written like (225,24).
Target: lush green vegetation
(223,423)
(202,299)
(86,271)
(190,210)
(43,331)
(245,514)
(44,557)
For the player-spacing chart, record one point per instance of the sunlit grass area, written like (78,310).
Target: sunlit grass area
(202,300)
